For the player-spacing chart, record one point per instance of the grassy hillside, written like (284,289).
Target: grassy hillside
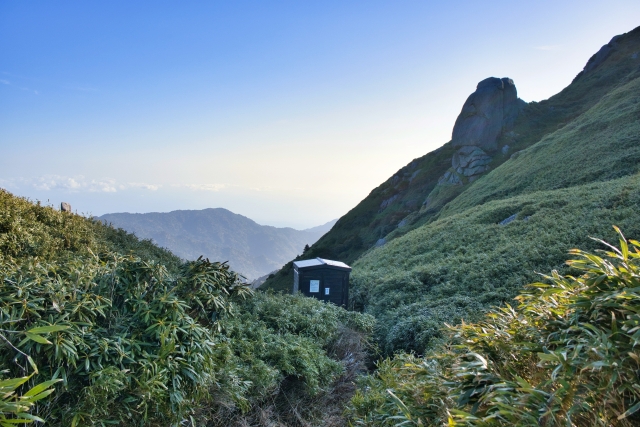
(457,267)
(251,249)
(574,183)
(124,333)
(397,206)
(31,230)
(565,353)
(562,352)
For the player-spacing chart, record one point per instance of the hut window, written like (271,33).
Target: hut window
(314,286)
(326,291)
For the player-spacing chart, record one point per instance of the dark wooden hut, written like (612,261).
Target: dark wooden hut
(323,279)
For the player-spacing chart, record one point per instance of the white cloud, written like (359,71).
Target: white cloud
(203,187)
(152,187)
(79,183)
(72,184)
(75,184)
(5,82)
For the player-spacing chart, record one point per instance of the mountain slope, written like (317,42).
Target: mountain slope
(601,144)
(521,218)
(416,194)
(251,249)
(457,267)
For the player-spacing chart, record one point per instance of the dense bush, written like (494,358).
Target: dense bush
(29,230)
(457,267)
(125,339)
(137,344)
(566,355)
(297,355)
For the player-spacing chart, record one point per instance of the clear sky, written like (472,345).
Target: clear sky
(287,112)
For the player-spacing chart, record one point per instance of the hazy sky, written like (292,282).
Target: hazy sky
(287,112)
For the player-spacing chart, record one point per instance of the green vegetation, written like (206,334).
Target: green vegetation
(572,184)
(455,268)
(124,339)
(123,332)
(566,355)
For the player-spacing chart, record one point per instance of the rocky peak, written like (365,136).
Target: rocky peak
(488,112)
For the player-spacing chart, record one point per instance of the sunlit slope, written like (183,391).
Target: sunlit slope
(32,230)
(458,266)
(601,144)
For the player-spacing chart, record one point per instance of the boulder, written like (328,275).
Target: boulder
(65,207)
(469,161)
(508,220)
(450,177)
(488,112)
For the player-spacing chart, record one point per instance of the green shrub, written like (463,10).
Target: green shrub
(131,335)
(567,355)
(139,344)
(457,267)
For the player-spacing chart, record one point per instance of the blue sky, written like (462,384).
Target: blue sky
(287,112)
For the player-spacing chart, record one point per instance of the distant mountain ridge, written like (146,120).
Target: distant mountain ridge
(219,234)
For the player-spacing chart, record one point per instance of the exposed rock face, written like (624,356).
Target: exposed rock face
(65,207)
(469,161)
(385,203)
(488,112)
(450,177)
(599,57)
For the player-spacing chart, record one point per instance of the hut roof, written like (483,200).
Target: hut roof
(320,261)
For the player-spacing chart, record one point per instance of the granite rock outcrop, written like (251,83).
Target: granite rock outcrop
(488,112)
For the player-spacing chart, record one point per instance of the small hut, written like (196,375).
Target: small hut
(323,279)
